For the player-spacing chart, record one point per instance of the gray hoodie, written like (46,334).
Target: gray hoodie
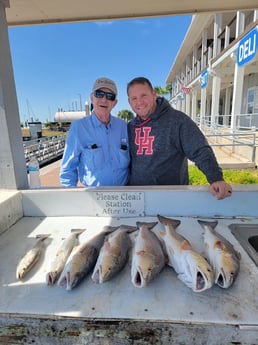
(161,145)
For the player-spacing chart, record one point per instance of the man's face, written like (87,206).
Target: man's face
(142,99)
(103,105)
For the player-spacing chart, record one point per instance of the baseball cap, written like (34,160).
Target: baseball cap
(104,82)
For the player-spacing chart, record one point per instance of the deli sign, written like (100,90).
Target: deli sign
(247,47)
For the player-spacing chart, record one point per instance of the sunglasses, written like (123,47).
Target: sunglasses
(109,95)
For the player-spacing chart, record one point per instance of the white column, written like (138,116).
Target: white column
(227,37)
(216,83)
(183,105)
(237,95)
(217,32)
(203,106)
(240,23)
(194,105)
(187,104)
(12,161)
(227,106)
(204,49)
(238,77)
(194,61)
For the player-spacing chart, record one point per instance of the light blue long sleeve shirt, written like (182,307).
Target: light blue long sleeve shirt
(96,154)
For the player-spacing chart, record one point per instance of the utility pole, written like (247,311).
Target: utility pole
(80,101)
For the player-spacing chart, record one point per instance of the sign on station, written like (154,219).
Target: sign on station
(247,47)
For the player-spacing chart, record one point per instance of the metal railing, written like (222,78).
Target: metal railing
(239,142)
(45,149)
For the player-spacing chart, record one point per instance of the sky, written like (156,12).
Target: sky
(56,65)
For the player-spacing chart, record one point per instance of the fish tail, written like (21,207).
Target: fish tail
(169,221)
(78,232)
(149,225)
(128,228)
(42,237)
(108,229)
(204,223)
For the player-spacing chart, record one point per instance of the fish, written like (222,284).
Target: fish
(191,267)
(31,257)
(148,258)
(221,254)
(61,255)
(82,259)
(113,254)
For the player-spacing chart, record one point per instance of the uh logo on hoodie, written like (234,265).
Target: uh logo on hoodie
(144,141)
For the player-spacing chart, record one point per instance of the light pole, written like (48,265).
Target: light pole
(80,101)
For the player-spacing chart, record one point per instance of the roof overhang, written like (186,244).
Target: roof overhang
(28,12)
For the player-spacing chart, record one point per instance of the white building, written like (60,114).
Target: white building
(214,77)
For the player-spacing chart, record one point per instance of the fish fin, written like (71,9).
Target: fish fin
(128,228)
(149,225)
(42,236)
(204,223)
(185,245)
(169,221)
(78,231)
(108,229)
(183,277)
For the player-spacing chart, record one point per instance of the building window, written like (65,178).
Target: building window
(250,100)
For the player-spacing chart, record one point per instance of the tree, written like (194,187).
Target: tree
(126,115)
(161,91)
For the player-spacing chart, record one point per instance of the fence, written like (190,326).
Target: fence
(45,149)
(238,142)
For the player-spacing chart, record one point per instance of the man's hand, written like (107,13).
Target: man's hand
(220,189)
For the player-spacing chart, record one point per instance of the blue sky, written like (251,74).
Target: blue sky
(55,65)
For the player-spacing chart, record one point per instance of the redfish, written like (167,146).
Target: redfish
(61,255)
(113,254)
(31,257)
(192,269)
(224,259)
(82,259)
(148,258)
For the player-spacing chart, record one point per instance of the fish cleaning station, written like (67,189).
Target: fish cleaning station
(166,311)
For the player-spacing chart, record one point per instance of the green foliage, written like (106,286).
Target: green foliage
(161,91)
(126,115)
(245,176)
(196,177)
(231,176)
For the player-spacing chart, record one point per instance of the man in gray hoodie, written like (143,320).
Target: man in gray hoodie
(162,139)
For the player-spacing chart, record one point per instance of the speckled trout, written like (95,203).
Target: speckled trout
(191,267)
(113,254)
(224,259)
(82,259)
(31,257)
(61,255)
(148,258)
